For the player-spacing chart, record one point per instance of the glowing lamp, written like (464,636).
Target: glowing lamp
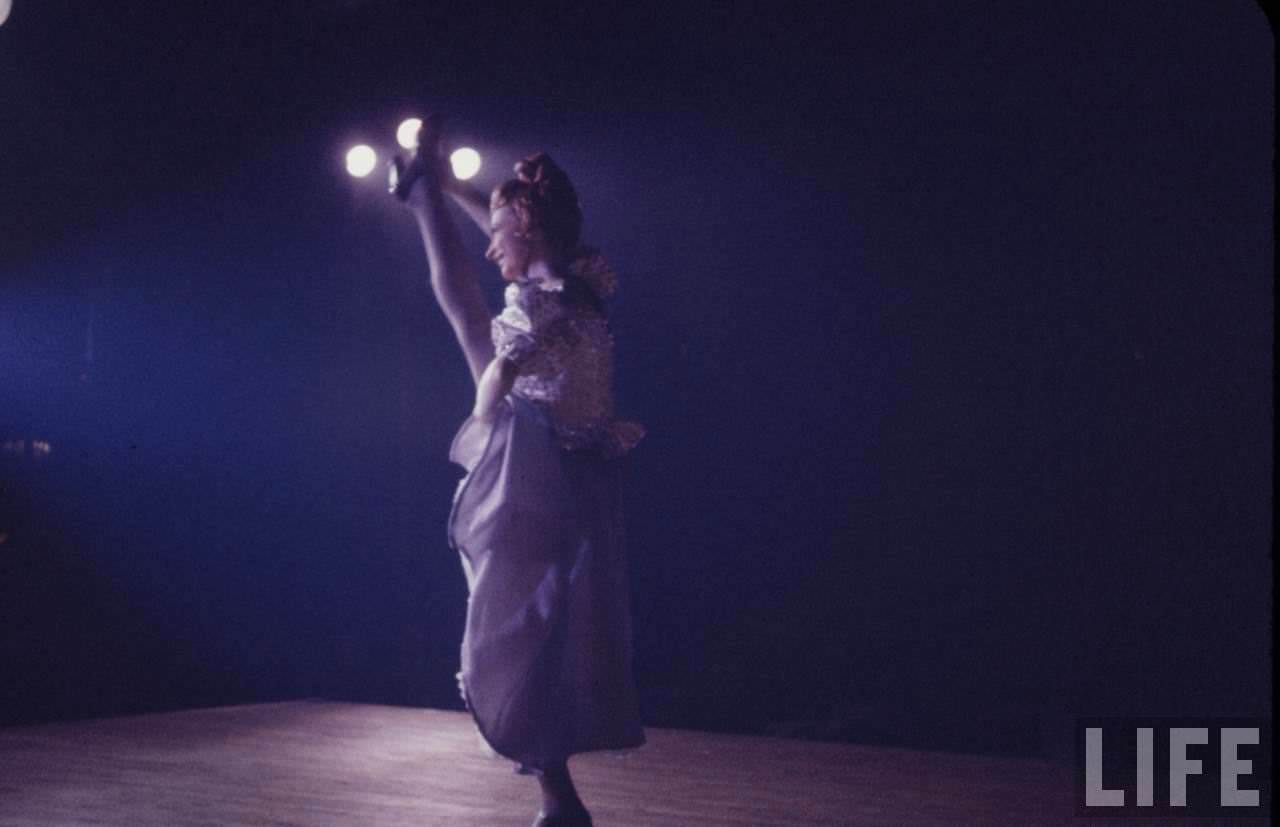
(361,160)
(407,133)
(465,162)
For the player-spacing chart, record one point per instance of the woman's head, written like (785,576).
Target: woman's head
(533,216)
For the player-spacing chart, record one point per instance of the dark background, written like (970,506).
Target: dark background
(951,325)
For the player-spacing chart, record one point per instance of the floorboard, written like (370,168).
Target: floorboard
(317,763)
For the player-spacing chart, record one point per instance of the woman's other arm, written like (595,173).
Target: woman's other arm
(471,200)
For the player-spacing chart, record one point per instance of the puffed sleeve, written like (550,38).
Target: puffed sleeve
(513,341)
(531,329)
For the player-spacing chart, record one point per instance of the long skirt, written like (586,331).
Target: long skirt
(546,652)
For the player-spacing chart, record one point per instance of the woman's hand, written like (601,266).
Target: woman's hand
(495,383)
(428,164)
(432,173)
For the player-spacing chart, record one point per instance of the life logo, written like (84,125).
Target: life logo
(1173,766)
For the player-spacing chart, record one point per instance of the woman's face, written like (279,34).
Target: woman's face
(508,246)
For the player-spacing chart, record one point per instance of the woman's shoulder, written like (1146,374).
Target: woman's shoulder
(543,303)
(589,267)
(532,301)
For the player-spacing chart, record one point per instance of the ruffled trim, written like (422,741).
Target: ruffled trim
(589,265)
(625,435)
(612,439)
(543,279)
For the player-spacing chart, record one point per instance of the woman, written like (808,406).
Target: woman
(546,653)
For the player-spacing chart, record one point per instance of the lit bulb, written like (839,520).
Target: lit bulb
(361,160)
(407,133)
(465,163)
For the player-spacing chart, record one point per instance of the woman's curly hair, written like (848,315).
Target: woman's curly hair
(543,198)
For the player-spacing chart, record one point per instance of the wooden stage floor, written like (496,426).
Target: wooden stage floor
(317,763)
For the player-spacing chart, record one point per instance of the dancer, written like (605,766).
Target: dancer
(537,520)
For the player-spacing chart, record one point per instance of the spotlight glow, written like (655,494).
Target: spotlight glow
(465,162)
(5,7)
(407,133)
(361,160)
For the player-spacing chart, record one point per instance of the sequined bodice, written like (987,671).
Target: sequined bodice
(564,353)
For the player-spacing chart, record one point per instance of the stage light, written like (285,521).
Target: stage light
(407,133)
(465,162)
(361,160)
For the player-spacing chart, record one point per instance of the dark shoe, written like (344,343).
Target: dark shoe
(571,818)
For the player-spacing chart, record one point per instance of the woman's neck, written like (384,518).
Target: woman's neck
(543,272)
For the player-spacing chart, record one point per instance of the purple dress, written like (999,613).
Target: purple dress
(537,521)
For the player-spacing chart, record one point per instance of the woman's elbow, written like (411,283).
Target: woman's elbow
(508,370)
